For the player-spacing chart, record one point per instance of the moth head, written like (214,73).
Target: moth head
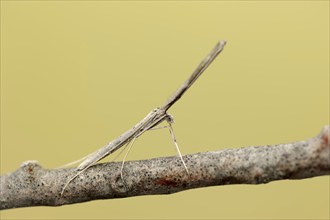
(169,118)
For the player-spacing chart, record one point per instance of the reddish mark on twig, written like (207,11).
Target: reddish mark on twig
(30,169)
(166,182)
(325,137)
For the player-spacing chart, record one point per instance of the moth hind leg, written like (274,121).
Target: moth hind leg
(177,147)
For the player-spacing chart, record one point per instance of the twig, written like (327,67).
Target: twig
(31,185)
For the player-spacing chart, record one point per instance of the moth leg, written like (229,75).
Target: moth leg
(122,164)
(77,174)
(177,147)
(161,127)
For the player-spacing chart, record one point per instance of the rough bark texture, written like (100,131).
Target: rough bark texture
(31,185)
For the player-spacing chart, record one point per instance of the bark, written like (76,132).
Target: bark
(32,185)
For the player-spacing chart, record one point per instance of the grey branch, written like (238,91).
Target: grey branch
(31,185)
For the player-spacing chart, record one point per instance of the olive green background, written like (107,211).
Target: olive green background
(76,74)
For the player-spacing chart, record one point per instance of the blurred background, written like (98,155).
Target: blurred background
(76,74)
